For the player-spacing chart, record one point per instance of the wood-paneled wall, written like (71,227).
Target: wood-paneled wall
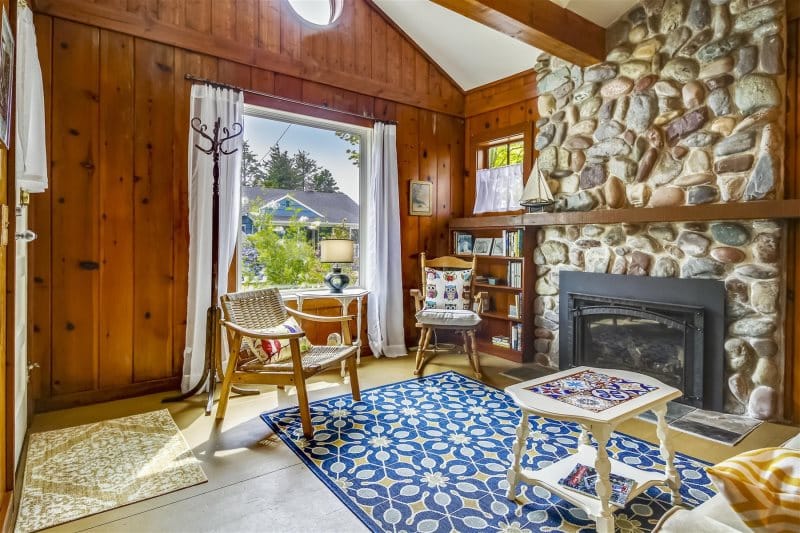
(361,52)
(491,108)
(109,267)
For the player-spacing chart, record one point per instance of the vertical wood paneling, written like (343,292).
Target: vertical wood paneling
(39,213)
(408,169)
(116,201)
(76,58)
(130,101)
(792,190)
(197,15)
(269,25)
(153,171)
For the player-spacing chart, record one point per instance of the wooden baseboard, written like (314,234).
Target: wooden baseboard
(85,398)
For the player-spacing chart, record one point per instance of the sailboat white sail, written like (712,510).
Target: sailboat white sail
(536,194)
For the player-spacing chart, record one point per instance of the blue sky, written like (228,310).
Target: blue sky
(323,145)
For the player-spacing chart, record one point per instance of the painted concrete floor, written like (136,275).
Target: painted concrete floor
(255,483)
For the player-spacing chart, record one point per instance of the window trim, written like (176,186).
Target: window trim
(365,134)
(484,139)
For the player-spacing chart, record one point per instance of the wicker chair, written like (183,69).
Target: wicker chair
(249,314)
(430,320)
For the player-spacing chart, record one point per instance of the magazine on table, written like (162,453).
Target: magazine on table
(583,479)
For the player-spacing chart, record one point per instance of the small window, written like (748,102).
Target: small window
(501,152)
(318,12)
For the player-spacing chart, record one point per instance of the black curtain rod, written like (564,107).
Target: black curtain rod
(284,99)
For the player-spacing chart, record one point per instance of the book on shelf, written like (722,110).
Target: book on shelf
(516,337)
(583,479)
(515,274)
(512,240)
(515,309)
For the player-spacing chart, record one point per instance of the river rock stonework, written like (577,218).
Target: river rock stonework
(747,256)
(699,80)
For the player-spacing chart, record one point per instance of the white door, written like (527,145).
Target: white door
(21,334)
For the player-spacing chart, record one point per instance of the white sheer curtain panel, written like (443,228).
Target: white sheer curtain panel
(31,160)
(498,189)
(384,276)
(209,103)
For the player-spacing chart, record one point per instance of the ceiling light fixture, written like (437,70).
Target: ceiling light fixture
(318,12)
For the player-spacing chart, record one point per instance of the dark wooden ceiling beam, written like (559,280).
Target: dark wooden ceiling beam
(540,23)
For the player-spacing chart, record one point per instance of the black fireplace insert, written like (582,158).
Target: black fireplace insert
(670,329)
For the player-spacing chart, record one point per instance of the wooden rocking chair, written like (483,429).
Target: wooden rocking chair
(464,322)
(253,314)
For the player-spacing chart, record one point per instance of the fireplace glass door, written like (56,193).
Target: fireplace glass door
(664,342)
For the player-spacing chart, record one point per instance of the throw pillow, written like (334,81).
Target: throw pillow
(447,289)
(763,487)
(270,351)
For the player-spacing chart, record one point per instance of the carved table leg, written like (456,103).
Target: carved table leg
(605,521)
(518,448)
(668,454)
(584,438)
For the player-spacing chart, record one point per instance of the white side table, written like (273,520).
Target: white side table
(345,298)
(604,409)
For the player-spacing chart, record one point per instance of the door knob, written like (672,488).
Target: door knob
(26,236)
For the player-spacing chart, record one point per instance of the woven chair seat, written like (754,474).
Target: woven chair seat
(316,359)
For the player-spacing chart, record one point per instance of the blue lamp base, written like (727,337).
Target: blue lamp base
(336,280)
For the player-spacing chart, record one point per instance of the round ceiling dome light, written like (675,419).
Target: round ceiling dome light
(318,12)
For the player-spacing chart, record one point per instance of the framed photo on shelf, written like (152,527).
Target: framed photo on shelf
(420,202)
(483,245)
(463,243)
(497,247)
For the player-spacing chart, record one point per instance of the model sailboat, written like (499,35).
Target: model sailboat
(536,196)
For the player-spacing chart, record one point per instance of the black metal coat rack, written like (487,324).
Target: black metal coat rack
(212,365)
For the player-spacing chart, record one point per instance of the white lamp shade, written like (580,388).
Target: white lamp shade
(336,251)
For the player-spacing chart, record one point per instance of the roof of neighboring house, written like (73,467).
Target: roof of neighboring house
(332,206)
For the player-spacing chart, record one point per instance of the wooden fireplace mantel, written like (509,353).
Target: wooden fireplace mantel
(767,209)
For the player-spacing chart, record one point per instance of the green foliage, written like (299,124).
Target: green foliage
(274,259)
(341,231)
(253,171)
(354,140)
(299,172)
(506,154)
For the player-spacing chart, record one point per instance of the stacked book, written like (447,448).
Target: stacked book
(516,337)
(514,274)
(501,340)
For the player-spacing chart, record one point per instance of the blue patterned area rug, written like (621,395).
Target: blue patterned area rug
(431,454)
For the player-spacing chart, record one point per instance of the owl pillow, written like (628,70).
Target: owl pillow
(270,351)
(447,289)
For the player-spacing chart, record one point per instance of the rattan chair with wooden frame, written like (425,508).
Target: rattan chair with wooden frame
(467,333)
(250,314)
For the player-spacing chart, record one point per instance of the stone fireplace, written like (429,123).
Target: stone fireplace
(687,110)
(666,328)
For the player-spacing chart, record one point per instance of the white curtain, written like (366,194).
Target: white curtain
(31,160)
(209,103)
(498,189)
(384,275)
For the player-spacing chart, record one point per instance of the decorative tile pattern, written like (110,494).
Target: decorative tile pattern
(76,472)
(431,454)
(591,390)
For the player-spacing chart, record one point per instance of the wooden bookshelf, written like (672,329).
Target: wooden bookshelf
(496,320)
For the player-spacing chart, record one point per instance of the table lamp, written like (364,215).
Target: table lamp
(336,251)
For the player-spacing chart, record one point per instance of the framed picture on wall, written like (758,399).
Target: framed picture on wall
(6,78)
(420,202)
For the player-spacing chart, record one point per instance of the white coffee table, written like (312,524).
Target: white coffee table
(598,413)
